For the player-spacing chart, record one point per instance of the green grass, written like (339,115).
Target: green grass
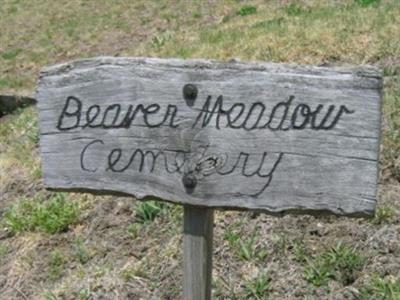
(80,251)
(51,215)
(299,251)
(147,211)
(258,287)
(367,2)
(382,289)
(12,82)
(56,264)
(246,10)
(384,213)
(246,248)
(294,9)
(340,263)
(11,53)
(84,294)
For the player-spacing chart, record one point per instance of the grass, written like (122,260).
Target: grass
(391,134)
(258,287)
(137,271)
(56,264)
(19,162)
(339,263)
(351,31)
(147,253)
(80,251)
(4,250)
(246,248)
(147,211)
(11,53)
(51,215)
(367,2)
(84,294)
(299,251)
(382,289)
(13,83)
(246,10)
(384,214)
(294,9)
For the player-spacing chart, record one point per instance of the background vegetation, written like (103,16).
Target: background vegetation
(74,246)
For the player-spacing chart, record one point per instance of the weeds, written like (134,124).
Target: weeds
(384,213)
(246,10)
(133,229)
(246,249)
(131,273)
(84,294)
(258,287)
(318,273)
(270,24)
(340,263)
(11,53)
(11,82)
(231,237)
(81,251)
(294,9)
(159,40)
(49,295)
(366,2)
(56,264)
(147,211)
(299,251)
(382,289)
(51,216)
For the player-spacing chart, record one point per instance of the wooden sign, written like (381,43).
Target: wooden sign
(263,136)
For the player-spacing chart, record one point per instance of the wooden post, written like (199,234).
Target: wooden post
(197,252)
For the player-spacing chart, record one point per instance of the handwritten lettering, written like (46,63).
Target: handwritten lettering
(287,114)
(284,115)
(302,116)
(111,117)
(178,161)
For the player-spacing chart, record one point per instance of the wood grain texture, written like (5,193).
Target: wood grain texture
(271,137)
(197,252)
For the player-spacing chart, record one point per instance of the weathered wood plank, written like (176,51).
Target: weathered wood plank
(197,252)
(273,137)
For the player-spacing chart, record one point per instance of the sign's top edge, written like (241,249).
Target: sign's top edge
(366,71)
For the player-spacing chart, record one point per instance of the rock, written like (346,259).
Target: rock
(9,103)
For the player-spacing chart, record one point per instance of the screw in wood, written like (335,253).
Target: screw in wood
(189,182)
(190,92)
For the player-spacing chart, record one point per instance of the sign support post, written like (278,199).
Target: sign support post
(197,252)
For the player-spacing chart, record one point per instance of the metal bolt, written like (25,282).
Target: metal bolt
(190,92)
(189,182)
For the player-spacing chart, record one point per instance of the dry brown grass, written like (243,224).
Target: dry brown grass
(107,252)
(36,33)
